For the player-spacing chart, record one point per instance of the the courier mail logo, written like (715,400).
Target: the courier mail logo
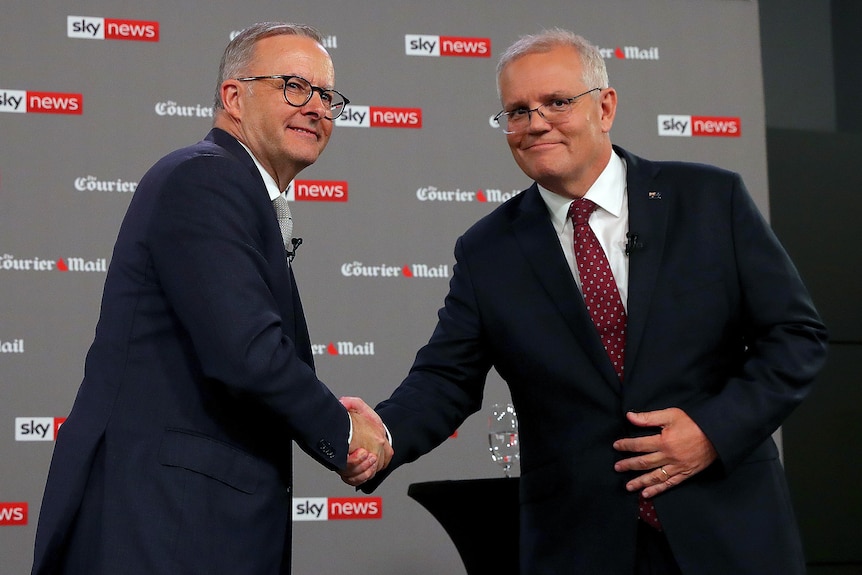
(37,428)
(91,28)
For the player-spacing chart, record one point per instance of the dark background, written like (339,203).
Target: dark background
(813,90)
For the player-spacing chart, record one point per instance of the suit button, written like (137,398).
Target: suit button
(326,448)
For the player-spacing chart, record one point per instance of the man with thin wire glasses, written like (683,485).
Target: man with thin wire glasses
(651,329)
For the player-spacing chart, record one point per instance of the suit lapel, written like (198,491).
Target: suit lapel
(648,216)
(541,248)
(287,296)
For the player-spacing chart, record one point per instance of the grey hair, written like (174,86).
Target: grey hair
(239,53)
(595,74)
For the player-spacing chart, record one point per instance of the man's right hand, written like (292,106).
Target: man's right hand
(370,450)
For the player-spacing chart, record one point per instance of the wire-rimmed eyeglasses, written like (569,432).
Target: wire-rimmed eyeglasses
(554,111)
(298,92)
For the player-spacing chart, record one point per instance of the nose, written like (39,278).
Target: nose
(543,122)
(316,106)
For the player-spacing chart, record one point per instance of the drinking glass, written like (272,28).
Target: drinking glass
(503,435)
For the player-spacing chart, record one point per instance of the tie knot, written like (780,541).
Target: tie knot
(580,210)
(282,208)
(285,222)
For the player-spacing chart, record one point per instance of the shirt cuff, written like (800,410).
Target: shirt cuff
(350,433)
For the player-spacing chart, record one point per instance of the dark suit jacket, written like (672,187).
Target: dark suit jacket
(719,325)
(176,457)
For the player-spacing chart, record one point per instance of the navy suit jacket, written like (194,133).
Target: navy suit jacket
(176,457)
(719,325)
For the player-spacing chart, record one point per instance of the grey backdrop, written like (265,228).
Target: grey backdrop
(66,180)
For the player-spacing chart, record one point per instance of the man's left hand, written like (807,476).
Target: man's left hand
(668,458)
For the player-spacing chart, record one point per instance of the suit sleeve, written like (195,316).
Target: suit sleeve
(445,384)
(208,254)
(784,340)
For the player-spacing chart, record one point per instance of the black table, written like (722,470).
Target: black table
(472,511)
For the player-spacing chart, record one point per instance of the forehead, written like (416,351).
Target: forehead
(542,74)
(288,54)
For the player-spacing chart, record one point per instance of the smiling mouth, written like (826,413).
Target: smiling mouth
(539,145)
(303,131)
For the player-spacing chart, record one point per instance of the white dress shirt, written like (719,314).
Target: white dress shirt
(268,180)
(610,221)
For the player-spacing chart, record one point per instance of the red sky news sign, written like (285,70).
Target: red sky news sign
(336,508)
(425,45)
(90,28)
(380,117)
(13,514)
(317,191)
(37,428)
(30,102)
(687,126)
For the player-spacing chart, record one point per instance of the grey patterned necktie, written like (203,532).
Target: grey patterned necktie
(285,222)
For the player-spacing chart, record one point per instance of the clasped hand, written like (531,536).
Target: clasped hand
(668,458)
(370,450)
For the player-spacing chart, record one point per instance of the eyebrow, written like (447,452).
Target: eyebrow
(324,86)
(556,95)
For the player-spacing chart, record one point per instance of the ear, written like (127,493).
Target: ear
(608,103)
(230,97)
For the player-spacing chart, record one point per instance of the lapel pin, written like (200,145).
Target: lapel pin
(654,195)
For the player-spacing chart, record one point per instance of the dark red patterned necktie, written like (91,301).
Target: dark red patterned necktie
(599,286)
(604,304)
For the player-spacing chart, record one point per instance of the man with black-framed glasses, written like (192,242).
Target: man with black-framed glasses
(651,329)
(176,457)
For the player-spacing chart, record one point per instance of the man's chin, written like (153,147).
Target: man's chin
(302,161)
(545,177)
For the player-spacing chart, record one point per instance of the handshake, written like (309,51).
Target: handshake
(370,450)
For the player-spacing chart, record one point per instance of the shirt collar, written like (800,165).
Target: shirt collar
(607,192)
(268,180)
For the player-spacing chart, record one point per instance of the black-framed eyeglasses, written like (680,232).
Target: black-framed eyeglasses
(298,92)
(554,111)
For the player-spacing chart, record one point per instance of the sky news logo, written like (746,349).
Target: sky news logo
(13,513)
(336,508)
(688,126)
(30,102)
(422,45)
(89,28)
(37,428)
(379,117)
(316,191)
